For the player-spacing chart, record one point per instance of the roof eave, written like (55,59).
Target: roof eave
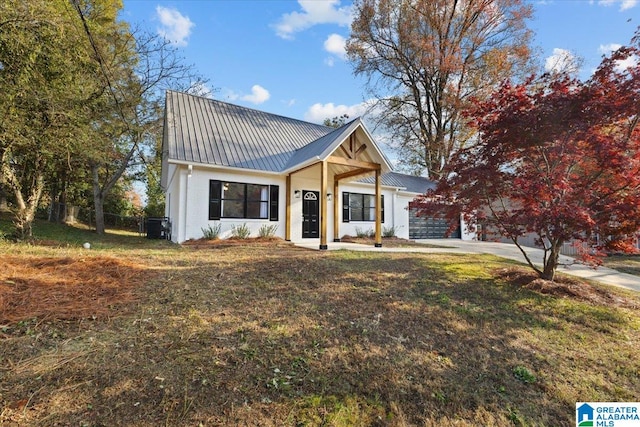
(223,167)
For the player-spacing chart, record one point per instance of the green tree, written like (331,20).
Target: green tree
(134,69)
(40,60)
(337,121)
(424,59)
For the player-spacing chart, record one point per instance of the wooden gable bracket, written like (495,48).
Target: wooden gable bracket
(351,152)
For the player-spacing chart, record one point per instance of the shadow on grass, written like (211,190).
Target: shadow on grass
(63,235)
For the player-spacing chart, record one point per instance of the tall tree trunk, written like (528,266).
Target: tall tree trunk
(100,192)
(4,204)
(26,209)
(551,263)
(98,200)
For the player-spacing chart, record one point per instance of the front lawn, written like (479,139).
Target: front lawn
(625,263)
(268,334)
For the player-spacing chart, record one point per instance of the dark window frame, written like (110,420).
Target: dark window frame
(348,208)
(216,201)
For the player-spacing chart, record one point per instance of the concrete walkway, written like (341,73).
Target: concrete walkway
(569,266)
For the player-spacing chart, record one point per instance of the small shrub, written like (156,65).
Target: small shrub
(365,233)
(389,231)
(212,232)
(267,230)
(240,231)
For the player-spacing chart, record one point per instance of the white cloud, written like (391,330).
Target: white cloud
(606,49)
(313,12)
(258,95)
(624,4)
(562,60)
(317,113)
(630,62)
(175,27)
(621,66)
(335,44)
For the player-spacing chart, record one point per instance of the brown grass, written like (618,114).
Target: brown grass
(262,335)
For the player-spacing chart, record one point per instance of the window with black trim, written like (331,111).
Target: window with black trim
(360,207)
(241,200)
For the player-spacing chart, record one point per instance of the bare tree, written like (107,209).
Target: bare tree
(424,59)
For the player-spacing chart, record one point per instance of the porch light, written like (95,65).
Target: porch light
(296,194)
(329,197)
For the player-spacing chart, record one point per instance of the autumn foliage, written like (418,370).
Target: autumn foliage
(556,157)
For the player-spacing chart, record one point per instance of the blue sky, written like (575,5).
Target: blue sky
(287,57)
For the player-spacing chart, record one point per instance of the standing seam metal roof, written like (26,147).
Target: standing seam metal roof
(207,131)
(411,183)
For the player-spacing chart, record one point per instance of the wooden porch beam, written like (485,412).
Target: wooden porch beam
(354,163)
(324,172)
(378,243)
(287,218)
(351,174)
(336,212)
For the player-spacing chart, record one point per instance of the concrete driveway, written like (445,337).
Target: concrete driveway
(569,266)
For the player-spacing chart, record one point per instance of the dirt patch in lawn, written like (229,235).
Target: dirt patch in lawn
(564,287)
(202,243)
(65,288)
(389,242)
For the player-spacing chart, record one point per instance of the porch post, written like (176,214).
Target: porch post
(378,243)
(336,211)
(323,205)
(287,218)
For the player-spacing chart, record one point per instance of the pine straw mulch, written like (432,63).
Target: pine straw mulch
(65,288)
(563,287)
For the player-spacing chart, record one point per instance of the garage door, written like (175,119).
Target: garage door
(429,228)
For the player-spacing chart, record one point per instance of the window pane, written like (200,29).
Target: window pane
(369,201)
(355,200)
(257,192)
(362,207)
(257,209)
(370,214)
(357,214)
(233,209)
(233,190)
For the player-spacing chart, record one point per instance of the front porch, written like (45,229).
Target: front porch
(315,208)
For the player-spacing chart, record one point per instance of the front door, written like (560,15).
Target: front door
(310,214)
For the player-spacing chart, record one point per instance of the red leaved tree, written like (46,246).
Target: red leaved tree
(555,157)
